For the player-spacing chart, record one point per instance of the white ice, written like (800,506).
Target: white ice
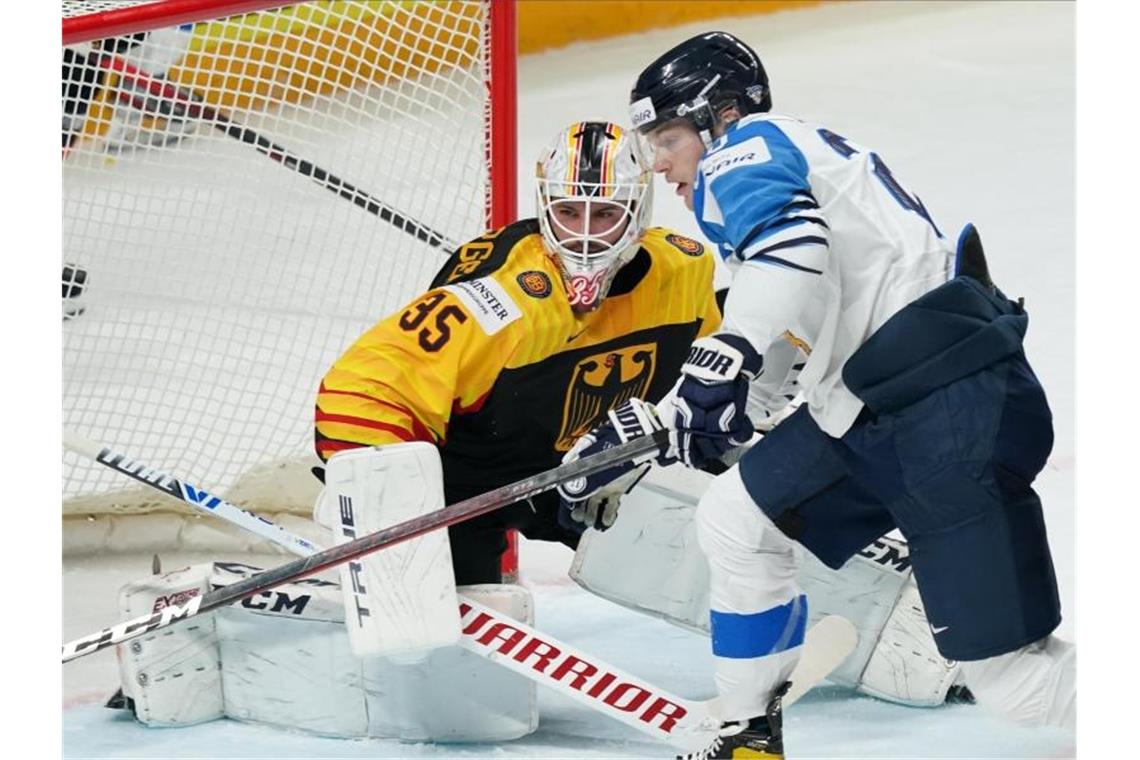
(972,105)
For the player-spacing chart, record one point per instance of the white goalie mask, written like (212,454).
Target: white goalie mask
(594,193)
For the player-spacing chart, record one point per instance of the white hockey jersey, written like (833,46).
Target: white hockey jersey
(824,245)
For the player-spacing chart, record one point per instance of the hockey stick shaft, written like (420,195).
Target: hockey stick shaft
(315,563)
(192,107)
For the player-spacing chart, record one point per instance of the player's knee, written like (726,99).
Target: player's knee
(752,565)
(729,521)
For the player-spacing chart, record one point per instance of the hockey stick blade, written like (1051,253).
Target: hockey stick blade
(191,495)
(305,566)
(826,645)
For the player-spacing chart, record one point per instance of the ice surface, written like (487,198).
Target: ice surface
(972,106)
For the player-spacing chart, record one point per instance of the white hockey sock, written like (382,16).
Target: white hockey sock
(1035,685)
(757,614)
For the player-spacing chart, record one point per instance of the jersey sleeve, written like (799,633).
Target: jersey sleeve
(755,200)
(402,380)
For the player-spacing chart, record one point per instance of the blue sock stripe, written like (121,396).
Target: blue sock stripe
(759,633)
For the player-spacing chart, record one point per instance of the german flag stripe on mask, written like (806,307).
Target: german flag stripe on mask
(590,150)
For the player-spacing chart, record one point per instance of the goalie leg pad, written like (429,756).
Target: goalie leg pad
(296,671)
(649,561)
(399,601)
(281,658)
(904,665)
(454,695)
(172,676)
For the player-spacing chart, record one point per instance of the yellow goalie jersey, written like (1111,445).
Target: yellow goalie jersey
(494,367)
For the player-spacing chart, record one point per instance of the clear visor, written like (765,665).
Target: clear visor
(664,143)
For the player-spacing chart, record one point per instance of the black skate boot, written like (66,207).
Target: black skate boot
(761,737)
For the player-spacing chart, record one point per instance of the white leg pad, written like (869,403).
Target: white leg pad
(298,672)
(172,675)
(399,601)
(454,695)
(281,658)
(649,561)
(905,665)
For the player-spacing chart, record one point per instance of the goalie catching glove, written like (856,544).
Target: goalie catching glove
(706,408)
(592,501)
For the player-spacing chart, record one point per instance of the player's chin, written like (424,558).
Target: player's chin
(685,190)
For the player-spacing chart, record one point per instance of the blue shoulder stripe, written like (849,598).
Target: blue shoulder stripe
(757,178)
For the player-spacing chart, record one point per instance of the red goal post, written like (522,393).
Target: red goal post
(248,185)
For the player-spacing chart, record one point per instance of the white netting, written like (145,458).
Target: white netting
(73,8)
(207,285)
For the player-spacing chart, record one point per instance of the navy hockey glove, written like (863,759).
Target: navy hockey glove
(708,403)
(592,501)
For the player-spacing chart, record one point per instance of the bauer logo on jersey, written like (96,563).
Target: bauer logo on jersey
(687,245)
(749,153)
(535,284)
(642,112)
(600,382)
(488,302)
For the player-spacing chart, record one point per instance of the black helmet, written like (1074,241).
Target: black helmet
(696,80)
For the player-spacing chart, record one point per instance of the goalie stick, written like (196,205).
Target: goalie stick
(169,100)
(685,724)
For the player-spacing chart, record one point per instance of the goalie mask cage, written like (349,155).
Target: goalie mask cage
(248,186)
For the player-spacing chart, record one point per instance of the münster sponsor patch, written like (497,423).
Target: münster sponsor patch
(488,302)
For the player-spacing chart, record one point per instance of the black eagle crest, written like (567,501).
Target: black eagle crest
(586,404)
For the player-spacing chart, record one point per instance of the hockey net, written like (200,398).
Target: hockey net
(248,186)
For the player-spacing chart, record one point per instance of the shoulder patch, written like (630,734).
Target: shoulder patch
(687,246)
(483,255)
(747,153)
(535,283)
(488,302)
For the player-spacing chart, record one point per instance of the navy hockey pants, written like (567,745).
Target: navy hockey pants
(952,469)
